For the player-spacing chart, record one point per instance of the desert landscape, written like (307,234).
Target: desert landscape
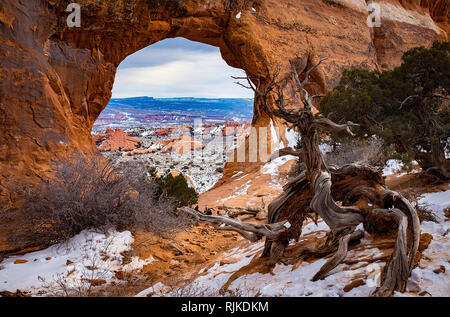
(332,181)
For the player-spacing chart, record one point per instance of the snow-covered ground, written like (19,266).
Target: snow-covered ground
(96,256)
(429,277)
(394,167)
(289,280)
(71,265)
(271,168)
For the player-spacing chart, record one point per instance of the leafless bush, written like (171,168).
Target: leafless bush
(423,210)
(369,152)
(193,289)
(89,195)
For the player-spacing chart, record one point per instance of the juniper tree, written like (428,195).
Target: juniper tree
(408,107)
(343,197)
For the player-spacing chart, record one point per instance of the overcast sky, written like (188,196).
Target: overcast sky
(178,68)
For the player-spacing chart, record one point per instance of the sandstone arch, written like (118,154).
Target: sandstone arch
(56,80)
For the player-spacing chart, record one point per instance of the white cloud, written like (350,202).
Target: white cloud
(181,73)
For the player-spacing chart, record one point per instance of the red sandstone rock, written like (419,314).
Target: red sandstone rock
(113,140)
(208,128)
(163,131)
(181,145)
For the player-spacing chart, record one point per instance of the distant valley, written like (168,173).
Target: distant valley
(137,112)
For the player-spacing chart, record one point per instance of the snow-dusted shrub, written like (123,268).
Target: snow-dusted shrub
(89,195)
(368,152)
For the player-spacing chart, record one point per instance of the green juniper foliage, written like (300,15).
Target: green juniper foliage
(408,107)
(176,188)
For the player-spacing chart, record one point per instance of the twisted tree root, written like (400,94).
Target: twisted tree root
(398,270)
(288,211)
(340,255)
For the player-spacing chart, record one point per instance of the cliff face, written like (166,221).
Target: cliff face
(56,80)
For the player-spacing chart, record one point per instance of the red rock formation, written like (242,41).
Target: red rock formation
(56,80)
(164,131)
(186,129)
(181,145)
(115,140)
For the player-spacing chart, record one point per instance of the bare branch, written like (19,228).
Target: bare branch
(325,123)
(406,99)
(271,231)
(283,152)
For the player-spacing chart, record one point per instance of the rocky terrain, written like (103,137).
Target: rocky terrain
(205,261)
(200,153)
(57,81)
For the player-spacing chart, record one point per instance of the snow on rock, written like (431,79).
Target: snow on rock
(278,144)
(312,227)
(271,168)
(87,256)
(157,289)
(239,191)
(243,189)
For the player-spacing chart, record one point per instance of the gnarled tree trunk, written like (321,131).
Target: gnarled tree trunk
(316,190)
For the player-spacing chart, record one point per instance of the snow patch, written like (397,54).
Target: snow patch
(325,148)
(275,139)
(71,261)
(286,280)
(437,202)
(426,277)
(271,168)
(291,137)
(392,167)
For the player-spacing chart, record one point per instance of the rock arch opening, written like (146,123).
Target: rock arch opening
(175,106)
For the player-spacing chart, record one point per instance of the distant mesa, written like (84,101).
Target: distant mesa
(114,140)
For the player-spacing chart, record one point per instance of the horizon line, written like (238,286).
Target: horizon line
(181,97)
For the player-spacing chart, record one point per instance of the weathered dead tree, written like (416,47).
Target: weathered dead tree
(235,212)
(343,197)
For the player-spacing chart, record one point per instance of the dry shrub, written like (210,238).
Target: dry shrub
(90,195)
(368,152)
